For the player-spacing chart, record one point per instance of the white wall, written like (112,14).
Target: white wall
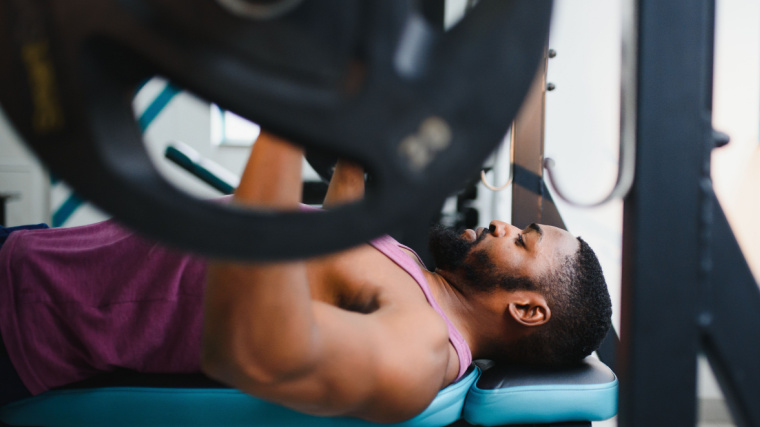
(736,111)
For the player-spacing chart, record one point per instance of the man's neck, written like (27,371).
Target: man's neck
(457,308)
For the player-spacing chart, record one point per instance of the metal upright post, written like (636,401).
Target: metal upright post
(662,246)
(531,201)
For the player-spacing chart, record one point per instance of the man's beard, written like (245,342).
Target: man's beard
(447,247)
(451,252)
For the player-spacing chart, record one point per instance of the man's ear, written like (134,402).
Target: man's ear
(529,308)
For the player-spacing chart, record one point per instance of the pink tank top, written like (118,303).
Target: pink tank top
(63,319)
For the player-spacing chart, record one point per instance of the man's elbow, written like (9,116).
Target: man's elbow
(217,368)
(245,370)
(237,373)
(216,363)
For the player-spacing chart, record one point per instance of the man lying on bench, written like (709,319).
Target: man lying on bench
(332,335)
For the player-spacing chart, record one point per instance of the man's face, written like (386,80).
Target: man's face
(501,251)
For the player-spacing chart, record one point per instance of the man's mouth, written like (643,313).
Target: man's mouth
(480,234)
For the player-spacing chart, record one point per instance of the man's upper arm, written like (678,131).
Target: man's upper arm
(372,366)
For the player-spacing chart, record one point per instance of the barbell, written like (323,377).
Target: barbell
(375,81)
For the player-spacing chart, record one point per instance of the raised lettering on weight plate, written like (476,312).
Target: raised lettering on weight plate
(47,115)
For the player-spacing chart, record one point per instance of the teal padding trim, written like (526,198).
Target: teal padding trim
(447,405)
(149,407)
(541,404)
(155,107)
(67,208)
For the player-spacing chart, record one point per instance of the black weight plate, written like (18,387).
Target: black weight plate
(371,80)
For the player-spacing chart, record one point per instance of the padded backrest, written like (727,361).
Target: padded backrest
(524,395)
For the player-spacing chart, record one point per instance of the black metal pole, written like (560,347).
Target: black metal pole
(662,215)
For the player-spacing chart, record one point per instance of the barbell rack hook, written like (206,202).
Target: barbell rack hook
(488,185)
(627,151)
(623,183)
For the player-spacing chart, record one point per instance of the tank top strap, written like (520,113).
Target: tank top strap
(395,252)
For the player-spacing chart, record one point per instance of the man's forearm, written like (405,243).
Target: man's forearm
(272,175)
(258,316)
(346,184)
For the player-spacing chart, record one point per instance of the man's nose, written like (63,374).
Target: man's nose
(500,228)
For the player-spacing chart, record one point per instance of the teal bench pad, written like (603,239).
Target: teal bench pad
(148,407)
(522,395)
(497,396)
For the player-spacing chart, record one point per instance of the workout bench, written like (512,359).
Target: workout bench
(497,396)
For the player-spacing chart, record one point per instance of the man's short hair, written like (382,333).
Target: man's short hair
(581,312)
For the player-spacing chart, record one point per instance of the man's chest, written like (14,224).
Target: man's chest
(363,280)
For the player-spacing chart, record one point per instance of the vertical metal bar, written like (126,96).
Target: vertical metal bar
(661,254)
(528,146)
(608,349)
(549,214)
(531,200)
